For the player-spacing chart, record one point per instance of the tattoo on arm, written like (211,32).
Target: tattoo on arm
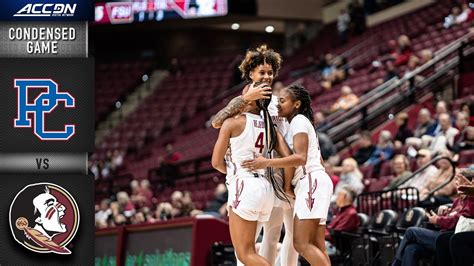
(234,107)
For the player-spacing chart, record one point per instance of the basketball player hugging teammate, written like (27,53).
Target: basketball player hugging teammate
(313,186)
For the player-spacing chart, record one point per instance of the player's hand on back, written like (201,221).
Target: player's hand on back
(258,163)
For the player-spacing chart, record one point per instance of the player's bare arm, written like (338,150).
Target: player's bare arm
(220,148)
(237,104)
(298,158)
(284,150)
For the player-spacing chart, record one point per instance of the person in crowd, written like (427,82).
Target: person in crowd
(350,176)
(404,51)
(345,219)
(400,169)
(146,195)
(419,181)
(457,249)
(462,122)
(466,143)
(383,151)
(320,121)
(446,193)
(218,205)
(343,21)
(445,137)
(390,71)
(335,72)
(327,146)
(458,16)
(425,124)
(125,204)
(403,132)
(103,214)
(168,168)
(347,99)
(366,148)
(418,240)
(330,171)
(425,56)
(440,108)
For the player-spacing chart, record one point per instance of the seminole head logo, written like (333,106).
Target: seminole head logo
(44,218)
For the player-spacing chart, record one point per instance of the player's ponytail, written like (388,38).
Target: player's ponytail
(270,141)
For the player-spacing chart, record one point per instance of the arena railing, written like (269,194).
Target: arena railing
(400,199)
(433,161)
(373,107)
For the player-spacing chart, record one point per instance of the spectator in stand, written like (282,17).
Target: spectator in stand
(466,143)
(462,122)
(330,171)
(145,193)
(117,159)
(457,249)
(404,51)
(343,21)
(418,240)
(125,204)
(445,137)
(441,108)
(320,121)
(168,168)
(403,132)
(425,56)
(335,72)
(217,207)
(188,205)
(347,99)
(383,150)
(366,148)
(164,211)
(326,145)
(445,194)
(350,176)
(345,219)
(425,124)
(102,216)
(457,16)
(419,181)
(413,63)
(390,72)
(400,169)
(177,204)
(135,190)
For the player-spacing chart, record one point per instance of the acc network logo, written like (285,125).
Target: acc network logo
(44,104)
(47,10)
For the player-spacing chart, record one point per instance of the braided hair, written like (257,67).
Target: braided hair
(299,93)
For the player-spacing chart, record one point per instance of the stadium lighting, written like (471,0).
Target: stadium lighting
(269,29)
(235,26)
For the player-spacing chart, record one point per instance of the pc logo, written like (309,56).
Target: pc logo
(42,105)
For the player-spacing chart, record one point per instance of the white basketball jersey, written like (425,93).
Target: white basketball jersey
(301,124)
(247,146)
